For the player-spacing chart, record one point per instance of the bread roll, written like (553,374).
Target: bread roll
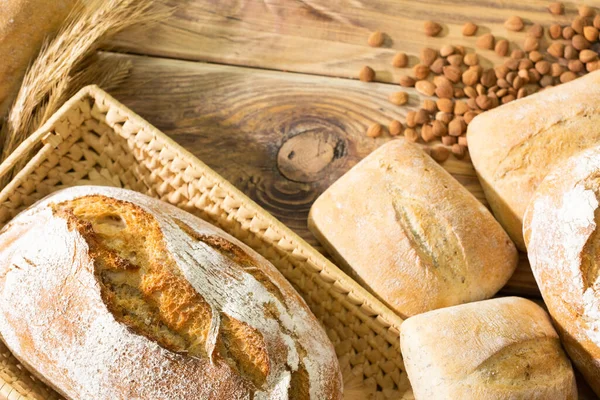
(109,294)
(496,349)
(562,235)
(411,233)
(514,146)
(24,24)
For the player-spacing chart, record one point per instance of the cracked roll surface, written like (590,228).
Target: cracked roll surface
(410,233)
(109,294)
(562,236)
(498,349)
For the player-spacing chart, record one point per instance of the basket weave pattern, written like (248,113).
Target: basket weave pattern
(93,139)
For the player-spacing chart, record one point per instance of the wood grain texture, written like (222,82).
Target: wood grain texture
(327,37)
(281,138)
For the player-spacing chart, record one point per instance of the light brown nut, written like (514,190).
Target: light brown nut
(427,133)
(514,23)
(567,76)
(440,153)
(578,24)
(518,83)
(480,89)
(375,130)
(459,92)
(460,49)
(444,117)
(512,64)
(570,53)
(596,22)
(439,128)
(543,67)
(459,151)
(395,128)
(517,54)
(536,31)
(555,31)
(486,41)
(585,56)
(469,115)
(460,107)
(449,140)
(406,81)
(447,50)
(471,59)
(469,29)
(502,47)
(421,71)
(422,117)
(534,75)
(470,77)
(470,92)
(592,66)
(501,71)
(445,105)
(525,63)
(590,33)
(366,74)
(531,44)
(556,49)
(462,140)
(411,135)
(398,98)
(546,81)
(429,106)
(500,93)
(438,66)
(488,78)
(411,119)
(484,102)
(556,8)
(453,73)
(427,56)
(400,60)
(556,70)
(457,126)
(580,43)
(568,32)
(425,87)
(375,39)
(586,11)
(576,66)
(536,56)
(432,28)
(455,60)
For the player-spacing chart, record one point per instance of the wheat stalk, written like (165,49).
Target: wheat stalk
(69,61)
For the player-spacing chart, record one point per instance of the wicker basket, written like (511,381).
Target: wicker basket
(93,139)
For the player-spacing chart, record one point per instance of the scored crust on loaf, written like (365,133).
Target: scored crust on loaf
(189,297)
(411,233)
(514,146)
(494,349)
(562,235)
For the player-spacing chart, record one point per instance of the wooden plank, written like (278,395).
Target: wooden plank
(281,138)
(326,37)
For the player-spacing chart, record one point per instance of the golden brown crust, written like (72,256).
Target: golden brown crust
(186,312)
(411,233)
(561,232)
(514,146)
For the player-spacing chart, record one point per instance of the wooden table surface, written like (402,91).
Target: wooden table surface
(265,91)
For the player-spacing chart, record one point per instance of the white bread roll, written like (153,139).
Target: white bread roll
(109,294)
(413,235)
(514,146)
(562,235)
(500,349)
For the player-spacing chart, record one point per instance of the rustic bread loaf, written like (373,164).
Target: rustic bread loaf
(514,146)
(562,235)
(504,348)
(24,24)
(411,233)
(109,294)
